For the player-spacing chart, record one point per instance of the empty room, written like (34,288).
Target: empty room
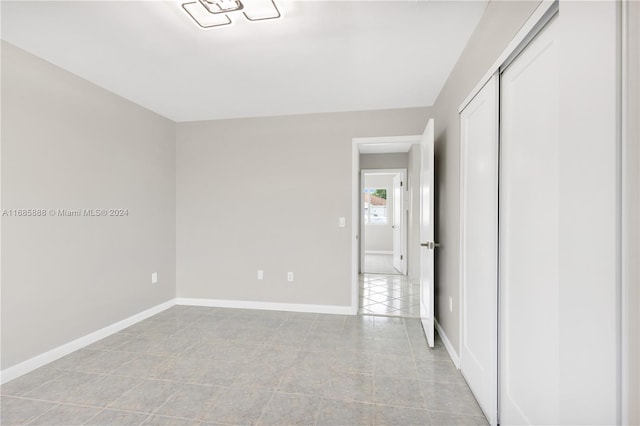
(300,212)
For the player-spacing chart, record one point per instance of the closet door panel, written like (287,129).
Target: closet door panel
(529,219)
(479,246)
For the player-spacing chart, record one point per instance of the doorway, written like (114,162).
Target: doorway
(384,218)
(385,288)
(385,253)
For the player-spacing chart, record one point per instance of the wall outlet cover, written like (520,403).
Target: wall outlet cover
(154,278)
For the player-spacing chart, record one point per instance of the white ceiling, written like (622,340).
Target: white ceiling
(322,56)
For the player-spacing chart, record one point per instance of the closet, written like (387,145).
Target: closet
(509,236)
(540,228)
(540,236)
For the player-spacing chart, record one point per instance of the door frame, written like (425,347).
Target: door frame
(403,204)
(630,205)
(356,143)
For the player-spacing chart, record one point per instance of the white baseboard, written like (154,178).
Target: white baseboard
(38,361)
(378,252)
(268,306)
(447,344)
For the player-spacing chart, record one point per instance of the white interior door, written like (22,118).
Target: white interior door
(479,246)
(398,250)
(427,242)
(529,255)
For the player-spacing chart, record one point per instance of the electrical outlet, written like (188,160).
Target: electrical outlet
(290,277)
(154,278)
(342,222)
(450,304)
(260,274)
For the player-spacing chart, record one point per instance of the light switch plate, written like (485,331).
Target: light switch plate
(260,274)
(154,278)
(342,222)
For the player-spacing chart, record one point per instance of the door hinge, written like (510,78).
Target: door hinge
(401,183)
(401,257)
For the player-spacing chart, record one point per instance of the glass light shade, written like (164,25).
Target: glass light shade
(221,6)
(203,17)
(227,5)
(260,10)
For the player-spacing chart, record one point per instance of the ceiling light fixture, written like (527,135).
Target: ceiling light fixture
(215,13)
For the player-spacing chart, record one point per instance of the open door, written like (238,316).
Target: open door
(398,249)
(427,241)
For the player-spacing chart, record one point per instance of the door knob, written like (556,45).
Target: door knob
(430,245)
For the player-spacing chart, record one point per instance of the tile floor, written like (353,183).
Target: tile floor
(392,295)
(206,366)
(379,264)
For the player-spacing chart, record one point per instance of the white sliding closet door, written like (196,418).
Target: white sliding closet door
(529,229)
(479,246)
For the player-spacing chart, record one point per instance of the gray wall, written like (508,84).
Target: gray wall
(496,29)
(68,144)
(299,169)
(384,161)
(379,236)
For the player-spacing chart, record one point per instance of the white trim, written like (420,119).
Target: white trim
(447,344)
(362,242)
(522,34)
(383,172)
(378,252)
(267,306)
(386,140)
(621,226)
(629,390)
(356,190)
(355,204)
(38,361)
